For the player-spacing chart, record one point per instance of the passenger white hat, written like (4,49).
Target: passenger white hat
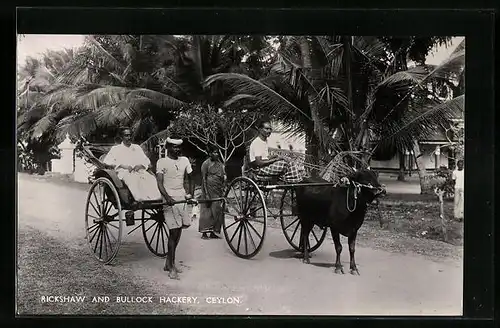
(173,141)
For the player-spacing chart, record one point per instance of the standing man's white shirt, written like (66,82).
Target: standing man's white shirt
(458,176)
(141,184)
(173,175)
(258,147)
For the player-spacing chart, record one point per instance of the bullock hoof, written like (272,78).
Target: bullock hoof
(306,261)
(355,272)
(339,270)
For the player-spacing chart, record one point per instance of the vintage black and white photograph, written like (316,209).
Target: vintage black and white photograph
(240,174)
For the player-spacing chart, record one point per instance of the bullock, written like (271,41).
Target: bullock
(342,208)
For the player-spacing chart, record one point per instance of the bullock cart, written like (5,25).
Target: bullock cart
(250,203)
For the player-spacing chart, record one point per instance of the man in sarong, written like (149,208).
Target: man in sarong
(212,186)
(458,202)
(274,166)
(171,173)
(131,164)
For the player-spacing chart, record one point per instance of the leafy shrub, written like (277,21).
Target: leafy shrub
(442,181)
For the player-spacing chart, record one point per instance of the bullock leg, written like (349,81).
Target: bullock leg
(304,235)
(352,242)
(338,250)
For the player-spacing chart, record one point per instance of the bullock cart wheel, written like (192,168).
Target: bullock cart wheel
(290,224)
(103,222)
(155,231)
(245,217)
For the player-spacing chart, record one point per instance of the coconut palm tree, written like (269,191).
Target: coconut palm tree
(427,111)
(35,78)
(110,81)
(203,56)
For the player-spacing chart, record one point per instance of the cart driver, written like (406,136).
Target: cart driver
(271,166)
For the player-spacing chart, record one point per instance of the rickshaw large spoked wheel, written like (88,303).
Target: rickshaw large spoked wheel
(103,222)
(245,217)
(155,231)
(291,227)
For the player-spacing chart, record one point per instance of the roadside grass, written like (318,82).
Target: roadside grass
(417,216)
(48,267)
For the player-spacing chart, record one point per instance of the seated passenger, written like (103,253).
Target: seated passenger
(131,164)
(274,166)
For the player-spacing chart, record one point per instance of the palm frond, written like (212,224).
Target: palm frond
(82,124)
(43,125)
(370,46)
(158,98)
(237,98)
(102,96)
(74,75)
(452,65)
(108,58)
(265,96)
(336,61)
(109,116)
(163,76)
(411,76)
(418,124)
(26,118)
(460,48)
(331,95)
(62,96)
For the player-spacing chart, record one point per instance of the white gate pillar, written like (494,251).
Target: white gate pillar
(64,165)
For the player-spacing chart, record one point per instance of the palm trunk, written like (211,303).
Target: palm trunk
(197,56)
(347,64)
(313,148)
(425,183)
(401,175)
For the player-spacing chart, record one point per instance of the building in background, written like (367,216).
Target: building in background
(437,150)
(287,141)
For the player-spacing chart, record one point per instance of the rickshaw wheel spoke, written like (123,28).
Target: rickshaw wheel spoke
(152,237)
(290,224)
(104,189)
(244,196)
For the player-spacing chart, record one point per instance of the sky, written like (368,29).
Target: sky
(35,44)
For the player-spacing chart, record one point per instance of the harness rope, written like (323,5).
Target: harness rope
(357,189)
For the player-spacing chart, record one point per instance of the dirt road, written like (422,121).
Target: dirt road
(272,283)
